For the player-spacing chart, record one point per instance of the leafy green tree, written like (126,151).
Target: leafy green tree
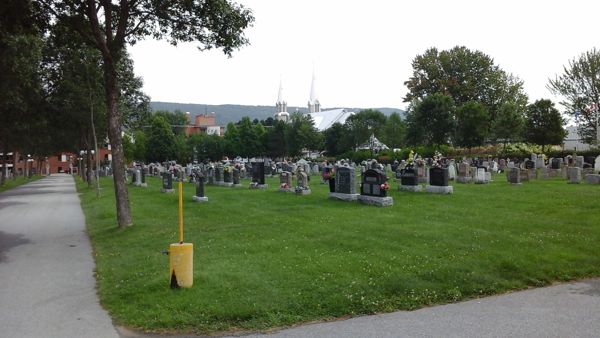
(232,140)
(394,131)
(261,136)
(301,134)
(207,147)
(176,119)
(465,76)
(472,124)
(579,85)
(276,145)
(333,138)
(110,25)
(364,124)
(509,123)
(22,107)
(140,146)
(544,124)
(249,142)
(431,121)
(161,144)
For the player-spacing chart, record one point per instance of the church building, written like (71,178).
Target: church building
(322,119)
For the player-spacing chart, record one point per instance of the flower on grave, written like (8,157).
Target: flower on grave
(227,169)
(384,186)
(284,186)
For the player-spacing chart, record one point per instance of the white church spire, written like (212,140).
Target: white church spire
(281,106)
(313,102)
(280,94)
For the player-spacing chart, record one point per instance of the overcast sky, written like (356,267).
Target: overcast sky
(362,50)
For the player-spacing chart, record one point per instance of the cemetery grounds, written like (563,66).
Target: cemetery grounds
(265,259)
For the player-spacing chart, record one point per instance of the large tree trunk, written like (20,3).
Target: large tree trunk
(116,143)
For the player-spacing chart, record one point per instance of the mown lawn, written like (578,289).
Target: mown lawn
(266,259)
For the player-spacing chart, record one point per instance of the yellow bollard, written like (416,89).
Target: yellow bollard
(181,255)
(181,265)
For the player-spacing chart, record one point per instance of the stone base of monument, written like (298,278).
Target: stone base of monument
(343,197)
(199,199)
(144,185)
(463,179)
(285,190)
(435,189)
(236,185)
(302,191)
(136,184)
(227,184)
(592,178)
(167,191)
(220,182)
(258,186)
(413,188)
(481,181)
(377,201)
(423,180)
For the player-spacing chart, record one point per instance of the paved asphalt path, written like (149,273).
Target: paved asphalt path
(47,287)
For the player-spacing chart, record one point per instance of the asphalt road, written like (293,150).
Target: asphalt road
(47,286)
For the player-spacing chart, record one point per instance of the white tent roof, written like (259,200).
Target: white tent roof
(324,119)
(373,143)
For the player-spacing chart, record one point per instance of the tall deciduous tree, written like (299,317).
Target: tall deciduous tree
(431,121)
(161,144)
(509,123)
(394,131)
(472,124)
(579,85)
(301,134)
(465,76)
(110,25)
(276,145)
(364,124)
(544,124)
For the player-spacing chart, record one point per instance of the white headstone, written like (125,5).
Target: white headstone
(597,164)
(451,172)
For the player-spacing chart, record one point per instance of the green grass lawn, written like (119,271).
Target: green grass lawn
(266,259)
(10,183)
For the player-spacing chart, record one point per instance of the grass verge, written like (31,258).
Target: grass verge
(10,183)
(266,259)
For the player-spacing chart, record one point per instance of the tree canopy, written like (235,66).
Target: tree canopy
(109,26)
(579,85)
(464,75)
(544,124)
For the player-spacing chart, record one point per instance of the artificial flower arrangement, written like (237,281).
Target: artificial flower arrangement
(384,186)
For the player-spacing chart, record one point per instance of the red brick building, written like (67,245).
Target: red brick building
(63,162)
(204,124)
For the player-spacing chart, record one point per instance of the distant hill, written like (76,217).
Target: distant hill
(226,113)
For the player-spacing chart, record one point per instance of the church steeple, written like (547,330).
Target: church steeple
(281,106)
(313,102)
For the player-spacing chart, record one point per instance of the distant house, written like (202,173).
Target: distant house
(573,141)
(203,124)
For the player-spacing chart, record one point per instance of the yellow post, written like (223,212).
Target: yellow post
(181,265)
(181,255)
(180,211)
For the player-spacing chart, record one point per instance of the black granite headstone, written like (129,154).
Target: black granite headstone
(438,176)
